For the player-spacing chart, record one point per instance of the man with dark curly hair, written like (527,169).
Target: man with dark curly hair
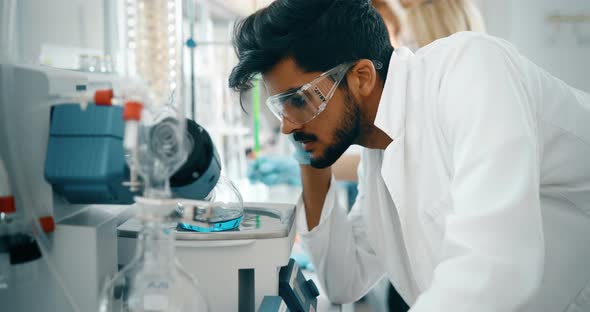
(474,181)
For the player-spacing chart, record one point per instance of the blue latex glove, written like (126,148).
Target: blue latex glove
(303,261)
(300,154)
(273,170)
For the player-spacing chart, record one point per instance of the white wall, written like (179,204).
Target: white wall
(563,50)
(74,23)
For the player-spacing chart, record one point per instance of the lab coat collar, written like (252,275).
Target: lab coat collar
(391,119)
(391,113)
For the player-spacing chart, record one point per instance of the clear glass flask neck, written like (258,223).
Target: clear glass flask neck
(157,188)
(155,245)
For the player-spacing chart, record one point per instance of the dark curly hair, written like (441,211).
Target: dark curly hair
(317,34)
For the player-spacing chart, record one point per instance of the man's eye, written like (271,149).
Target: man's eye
(297,101)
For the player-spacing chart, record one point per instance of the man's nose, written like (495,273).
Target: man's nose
(288,127)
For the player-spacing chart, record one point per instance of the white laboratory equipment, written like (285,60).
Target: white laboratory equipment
(235,268)
(151,31)
(84,248)
(78,241)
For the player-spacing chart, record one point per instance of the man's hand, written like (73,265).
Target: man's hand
(300,154)
(316,183)
(273,169)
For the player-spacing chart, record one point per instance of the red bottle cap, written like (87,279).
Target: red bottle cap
(132,110)
(47,224)
(103,97)
(7,204)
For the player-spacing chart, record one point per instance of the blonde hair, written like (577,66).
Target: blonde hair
(391,20)
(435,19)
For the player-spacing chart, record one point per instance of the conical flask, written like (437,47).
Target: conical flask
(154,281)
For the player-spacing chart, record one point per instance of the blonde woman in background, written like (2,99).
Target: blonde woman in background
(392,22)
(428,21)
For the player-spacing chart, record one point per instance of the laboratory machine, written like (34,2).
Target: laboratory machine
(124,204)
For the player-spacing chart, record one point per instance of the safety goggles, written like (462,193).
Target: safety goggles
(304,104)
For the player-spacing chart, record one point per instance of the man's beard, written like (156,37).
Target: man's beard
(344,136)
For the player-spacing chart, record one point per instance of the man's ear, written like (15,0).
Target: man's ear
(362,78)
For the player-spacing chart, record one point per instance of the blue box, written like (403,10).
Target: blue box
(85,157)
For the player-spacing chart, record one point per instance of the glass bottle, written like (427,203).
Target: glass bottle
(154,281)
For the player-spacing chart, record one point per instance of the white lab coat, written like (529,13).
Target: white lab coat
(482,200)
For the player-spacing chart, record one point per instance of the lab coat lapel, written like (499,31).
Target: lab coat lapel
(393,173)
(391,119)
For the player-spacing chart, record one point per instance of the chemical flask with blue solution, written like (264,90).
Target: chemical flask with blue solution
(222,210)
